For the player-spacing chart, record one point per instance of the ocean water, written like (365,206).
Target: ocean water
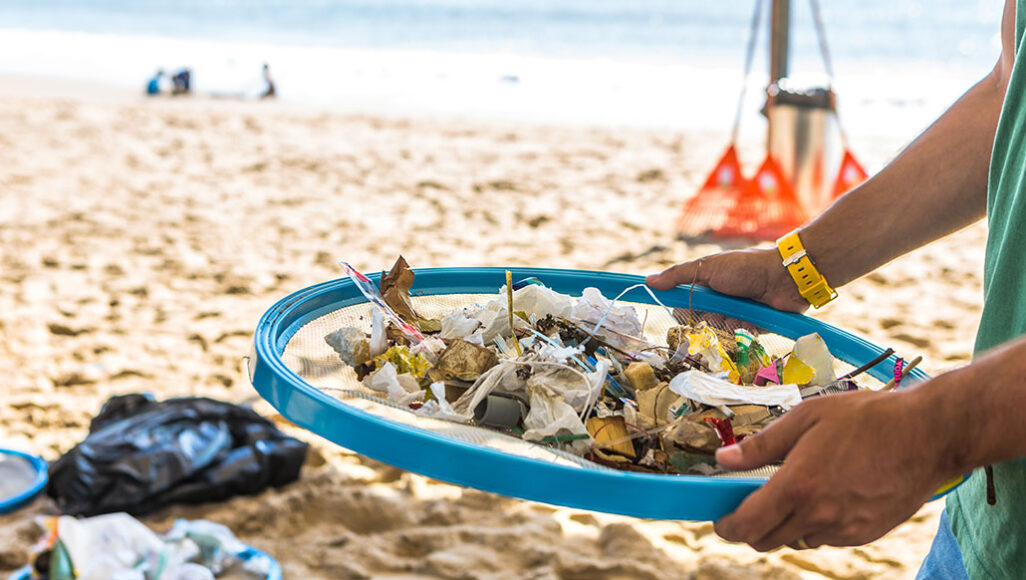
(650,63)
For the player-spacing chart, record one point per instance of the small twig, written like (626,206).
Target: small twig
(509,298)
(883,356)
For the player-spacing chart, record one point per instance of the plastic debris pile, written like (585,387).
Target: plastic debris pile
(120,546)
(578,373)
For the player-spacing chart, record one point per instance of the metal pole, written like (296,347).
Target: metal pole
(780,28)
(779,36)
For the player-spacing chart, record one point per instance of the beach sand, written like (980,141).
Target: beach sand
(140,240)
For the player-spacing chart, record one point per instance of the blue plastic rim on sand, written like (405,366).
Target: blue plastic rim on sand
(32,488)
(671,497)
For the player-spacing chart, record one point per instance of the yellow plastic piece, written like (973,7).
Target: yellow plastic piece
(796,372)
(404,361)
(811,284)
(704,342)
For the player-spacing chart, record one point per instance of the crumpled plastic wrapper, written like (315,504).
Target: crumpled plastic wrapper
(504,378)
(218,546)
(533,301)
(351,344)
(573,385)
(705,342)
(438,407)
(495,322)
(593,306)
(717,392)
(551,415)
(579,390)
(402,389)
(457,324)
(556,352)
(538,301)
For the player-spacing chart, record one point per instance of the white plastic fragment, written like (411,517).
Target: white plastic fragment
(106,546)
(119,547)
(813,351)
(351,344)
(457,324)
(378,339)
(560,354)
(475,338)
(574,386)
(550,415)
(593,307)
(431,347)
(539,301)
(439,407)
(717,392)
(400,389)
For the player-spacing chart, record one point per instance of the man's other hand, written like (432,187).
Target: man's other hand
(855,466)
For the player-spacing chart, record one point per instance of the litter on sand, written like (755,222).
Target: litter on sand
(118,546)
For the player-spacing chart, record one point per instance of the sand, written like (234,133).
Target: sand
(140,240)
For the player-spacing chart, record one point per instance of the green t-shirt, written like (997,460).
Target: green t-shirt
(993,538)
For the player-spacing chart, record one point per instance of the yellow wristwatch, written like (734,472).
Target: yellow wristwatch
(811,284)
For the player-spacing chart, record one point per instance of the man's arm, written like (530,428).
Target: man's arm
(861,463)
(937,185)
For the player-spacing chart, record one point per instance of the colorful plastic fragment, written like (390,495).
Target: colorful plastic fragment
(404,361)
(703,341)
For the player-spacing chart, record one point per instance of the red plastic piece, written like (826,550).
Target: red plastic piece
(724,429)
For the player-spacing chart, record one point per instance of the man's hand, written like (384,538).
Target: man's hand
(756,274)
(855,466)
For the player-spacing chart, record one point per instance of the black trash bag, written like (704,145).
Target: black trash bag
(142,455)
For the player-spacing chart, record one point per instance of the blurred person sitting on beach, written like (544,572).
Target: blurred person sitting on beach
(858,464)
(269,92)
(153,86)
(182,82)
